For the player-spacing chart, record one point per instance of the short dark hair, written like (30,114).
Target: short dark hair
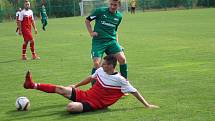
(111,59)
(119,1)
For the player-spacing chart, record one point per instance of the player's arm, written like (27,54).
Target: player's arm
(89,27)
(90,18)
(117,37)
(19,23)
(127,87)
(20,27)
(142,100)
(34,26)
(116,29)
(84,82)
(47,16)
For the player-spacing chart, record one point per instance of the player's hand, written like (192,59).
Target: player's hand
(35,31)
(122,48)
(93,34)
(20,32)
(152,106)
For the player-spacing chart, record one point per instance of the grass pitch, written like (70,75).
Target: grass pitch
(171,60)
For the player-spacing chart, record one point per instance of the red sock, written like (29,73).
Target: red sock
(24,46)
(32,48)
(49,88)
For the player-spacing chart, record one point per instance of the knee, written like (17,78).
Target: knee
(60,87)
(60,90)
(70,107)
(121,60)
(25,43)
(32,42)
(96,64)
(74,107)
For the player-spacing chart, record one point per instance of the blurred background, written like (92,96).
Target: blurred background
(69,8)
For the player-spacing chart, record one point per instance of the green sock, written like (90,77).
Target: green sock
(124,70)
(92,72)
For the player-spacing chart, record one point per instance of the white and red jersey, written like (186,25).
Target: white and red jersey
(26,17)
(106,91)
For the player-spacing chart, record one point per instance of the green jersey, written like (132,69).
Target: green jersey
(106,23)
(43,13)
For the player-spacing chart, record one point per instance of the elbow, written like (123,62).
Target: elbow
(87,22)
(134,93)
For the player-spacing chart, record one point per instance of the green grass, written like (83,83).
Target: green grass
(171,59)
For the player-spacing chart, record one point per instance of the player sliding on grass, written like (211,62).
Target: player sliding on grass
(108,88)
(26,19)
(105,39)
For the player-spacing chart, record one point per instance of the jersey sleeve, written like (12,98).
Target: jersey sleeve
(20,16)
(17,14)
(127,87)
(94,15)
(96,72)
(32,15)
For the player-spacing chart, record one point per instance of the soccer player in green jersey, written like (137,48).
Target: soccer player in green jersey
(104,36)
(43,17)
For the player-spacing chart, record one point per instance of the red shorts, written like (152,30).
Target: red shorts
(90,98)
(78,96)
(27,35)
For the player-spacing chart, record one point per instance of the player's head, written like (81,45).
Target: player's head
(19,9)
(43,6)
(114,5)
(27,4)
(109,63)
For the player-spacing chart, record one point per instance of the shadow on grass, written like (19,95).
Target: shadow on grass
(33,113)
(102,111)
(10,61)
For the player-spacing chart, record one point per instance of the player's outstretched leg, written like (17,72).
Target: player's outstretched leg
(30,84)
(49,88)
